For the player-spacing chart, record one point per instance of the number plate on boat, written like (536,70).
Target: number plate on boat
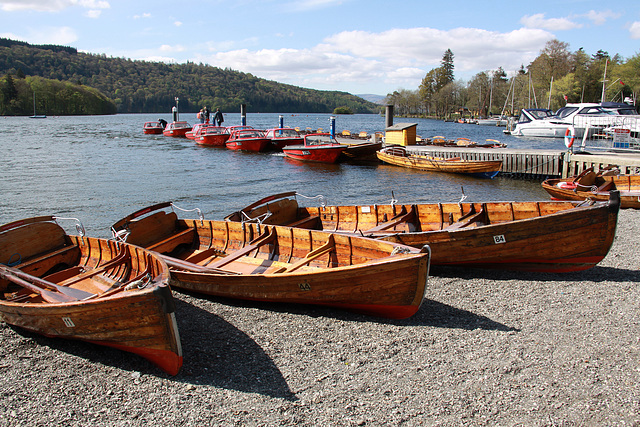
(499,239)
(68,322)
(304,286)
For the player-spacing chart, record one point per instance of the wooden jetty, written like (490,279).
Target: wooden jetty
(535,164)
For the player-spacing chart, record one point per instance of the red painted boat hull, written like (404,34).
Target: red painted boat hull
(253,144)
(322,154)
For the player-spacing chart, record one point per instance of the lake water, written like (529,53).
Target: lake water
(101,168)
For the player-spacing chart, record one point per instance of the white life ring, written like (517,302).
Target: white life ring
(569,136)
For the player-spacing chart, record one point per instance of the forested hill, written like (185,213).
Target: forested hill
(143,86)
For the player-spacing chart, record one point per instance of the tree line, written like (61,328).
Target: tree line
(26,95)
(556,77)
(146,87)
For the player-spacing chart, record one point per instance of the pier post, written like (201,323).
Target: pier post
(243,114)
(281,121)
(332,126)
(388,116)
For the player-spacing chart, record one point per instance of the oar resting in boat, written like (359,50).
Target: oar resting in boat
(49,291)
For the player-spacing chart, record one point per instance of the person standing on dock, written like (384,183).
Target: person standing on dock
(200,116)
(206,115)
(217,118)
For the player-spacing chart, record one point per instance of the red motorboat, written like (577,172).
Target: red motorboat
(247,140)
(212,135)
(317,147)
(178,129)
(281,137)
(196,129)
(152,128)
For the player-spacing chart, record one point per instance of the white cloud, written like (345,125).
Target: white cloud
(93,13)
(177,23)
(599,18)
(169,48)
(634,30)
(51,5)
(394,57)
(47,35)
(555,24)
(144,15)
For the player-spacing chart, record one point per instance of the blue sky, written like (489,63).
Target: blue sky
(355,46)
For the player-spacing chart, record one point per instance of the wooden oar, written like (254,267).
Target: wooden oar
(316,253)
(266,237)
(37,285)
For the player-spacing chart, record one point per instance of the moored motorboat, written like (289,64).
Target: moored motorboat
(212,135)
(527,236)
(282,137)
(247,140)
(282,264)
(596,186)
(196,130)
(361,152)
(176,129)
(152,128)
(317,147)
(90,289)
(399,156)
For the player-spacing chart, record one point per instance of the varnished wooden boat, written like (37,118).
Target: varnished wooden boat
(399,156)
(596,186)
(529,236)
(282,264)
(95,290)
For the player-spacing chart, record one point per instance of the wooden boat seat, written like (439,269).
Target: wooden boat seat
(279,212)
(168,244)
(36,246)
(310,222)
(158,232)
(607,186)
(469,219)
(403,216)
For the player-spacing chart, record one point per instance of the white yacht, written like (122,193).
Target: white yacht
(594,116)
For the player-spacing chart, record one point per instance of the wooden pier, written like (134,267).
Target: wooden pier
(538,164)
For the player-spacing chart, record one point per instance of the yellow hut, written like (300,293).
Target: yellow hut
(401,134)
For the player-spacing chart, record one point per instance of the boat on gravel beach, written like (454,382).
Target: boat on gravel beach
(282,264)
(529,236)
(90,289)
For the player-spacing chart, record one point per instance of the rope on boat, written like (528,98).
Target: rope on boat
(173,205)
(138,284)
(79,227)
(120,236)
(14,263)
(259,219)
(400,250)
(463,197)
(323,200)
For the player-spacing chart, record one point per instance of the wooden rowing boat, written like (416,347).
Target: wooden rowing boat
(529,236)
(95,290)
(282,264)
(596,186)
(397,155)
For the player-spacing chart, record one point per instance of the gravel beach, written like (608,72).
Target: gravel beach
(486,348)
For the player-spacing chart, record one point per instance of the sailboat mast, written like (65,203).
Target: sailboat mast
(604,80)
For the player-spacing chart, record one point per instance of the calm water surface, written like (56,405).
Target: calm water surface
(101,168)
